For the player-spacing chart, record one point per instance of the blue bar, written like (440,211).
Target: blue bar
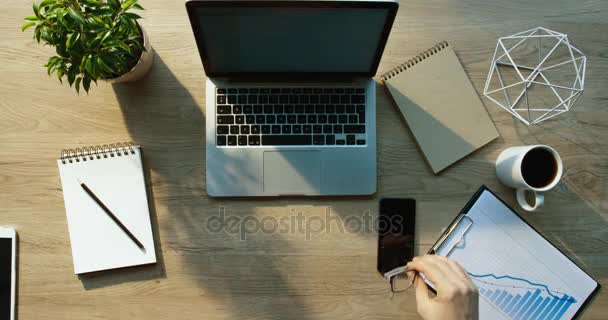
(521,302)
(481,290)
(553,302)
(506,302)
(502,296)
(557,307)
(533,307)
(542,306)
(517,297)
(528,304)
(488,293)
(495,295)
(563,310)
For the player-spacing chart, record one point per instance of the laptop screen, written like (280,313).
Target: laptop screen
(276,39)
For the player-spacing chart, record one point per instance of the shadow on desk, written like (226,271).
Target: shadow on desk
(249,279)
(163,117)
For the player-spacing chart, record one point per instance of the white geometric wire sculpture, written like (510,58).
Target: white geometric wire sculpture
(536,75)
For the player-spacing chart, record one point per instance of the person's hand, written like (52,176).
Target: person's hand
(457,297)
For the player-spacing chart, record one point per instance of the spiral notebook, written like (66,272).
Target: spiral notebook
(115,175)
(440,106)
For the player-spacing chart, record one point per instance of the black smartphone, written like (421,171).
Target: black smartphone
(396,225)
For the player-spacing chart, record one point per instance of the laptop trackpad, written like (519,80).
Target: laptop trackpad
(292,172)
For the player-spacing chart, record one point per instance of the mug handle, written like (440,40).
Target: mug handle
(521,199)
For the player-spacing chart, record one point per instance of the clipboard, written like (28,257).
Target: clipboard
(498,292)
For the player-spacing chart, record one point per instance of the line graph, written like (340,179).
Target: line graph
(533,302)
(549,292)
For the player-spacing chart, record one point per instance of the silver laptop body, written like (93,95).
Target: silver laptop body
(290,102)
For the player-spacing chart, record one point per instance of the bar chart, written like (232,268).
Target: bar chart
(521,299)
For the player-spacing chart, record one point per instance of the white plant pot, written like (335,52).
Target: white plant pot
(143,65)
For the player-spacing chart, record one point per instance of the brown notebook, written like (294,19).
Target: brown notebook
(440,106)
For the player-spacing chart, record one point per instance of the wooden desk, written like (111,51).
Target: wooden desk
(204,275)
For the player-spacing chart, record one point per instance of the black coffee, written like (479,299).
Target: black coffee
(539,168)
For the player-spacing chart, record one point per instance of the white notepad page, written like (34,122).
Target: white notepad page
(97,241)
(520,275)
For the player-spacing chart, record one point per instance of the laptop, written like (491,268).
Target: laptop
(290,99)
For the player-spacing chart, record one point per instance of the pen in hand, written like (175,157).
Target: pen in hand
(112,216)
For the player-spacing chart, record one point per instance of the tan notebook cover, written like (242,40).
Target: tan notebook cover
(440,106)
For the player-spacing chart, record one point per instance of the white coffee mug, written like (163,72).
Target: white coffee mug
(536,168)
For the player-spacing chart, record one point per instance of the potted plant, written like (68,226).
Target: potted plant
(93,39)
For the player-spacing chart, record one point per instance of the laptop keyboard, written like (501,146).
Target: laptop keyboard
(290,117)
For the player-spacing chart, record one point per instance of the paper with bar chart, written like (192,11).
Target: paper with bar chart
(519,274)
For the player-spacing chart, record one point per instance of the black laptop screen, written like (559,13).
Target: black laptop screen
(235,40)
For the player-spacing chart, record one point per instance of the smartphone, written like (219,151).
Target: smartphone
(8,273)
(396,225)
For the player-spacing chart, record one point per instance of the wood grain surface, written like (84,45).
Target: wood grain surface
(203,274)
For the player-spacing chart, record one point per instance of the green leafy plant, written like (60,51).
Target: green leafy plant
(94,39)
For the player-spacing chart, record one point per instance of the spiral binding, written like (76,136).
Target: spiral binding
(97,152)
(411,62)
